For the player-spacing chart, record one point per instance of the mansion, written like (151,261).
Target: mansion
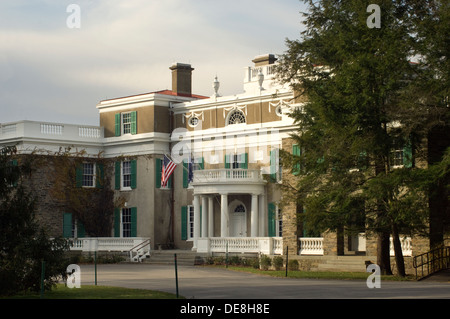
(224,193)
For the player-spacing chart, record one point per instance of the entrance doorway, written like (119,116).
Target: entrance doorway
(238,220)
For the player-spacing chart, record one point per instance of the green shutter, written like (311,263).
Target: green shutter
(117,175)
(133,221)
(133,122)
(185,174)
(158,172)
(273,166)
(79,175)
(67,225)
(296,151)
(99,180)
(227,161)
(81,232)
(271,220)
(201,163)
(408,155)
(117,124)
(116,222)
(244,165)
(133,174)
(184,223)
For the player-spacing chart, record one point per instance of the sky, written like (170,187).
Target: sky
(57,63)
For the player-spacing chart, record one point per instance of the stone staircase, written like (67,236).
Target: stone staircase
(166,257)
(345,263)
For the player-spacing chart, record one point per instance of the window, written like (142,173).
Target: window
(72,228)
(237,117)
(279,223)
(126,222)
(125,123)
(126,174)
(236,161)
(190,222)
(193,121)
(401,154)
(275,166)
(88,179)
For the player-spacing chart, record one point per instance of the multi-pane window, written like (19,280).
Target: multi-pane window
(126,123)
(190,223)
(237,117)
(126,222)
(279,223)
(126,174)
(396,155)
(88,179)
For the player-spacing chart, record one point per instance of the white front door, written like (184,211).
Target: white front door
(238,225)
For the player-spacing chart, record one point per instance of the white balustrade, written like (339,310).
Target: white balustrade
(227,175)
(264,245)
(105,243)
(406,246)
(311,246)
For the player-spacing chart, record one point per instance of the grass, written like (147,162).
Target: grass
(97,292)
(316,274)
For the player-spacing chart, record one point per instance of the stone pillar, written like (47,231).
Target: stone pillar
(211,216)
(254,216)
(196,220)
(224,215)
(204,218)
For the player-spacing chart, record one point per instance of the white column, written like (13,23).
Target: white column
(224,215)
(211,216)
(254,216)
(262,216)
(196,219)
(204,218)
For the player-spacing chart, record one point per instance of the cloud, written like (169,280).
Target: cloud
(127,47)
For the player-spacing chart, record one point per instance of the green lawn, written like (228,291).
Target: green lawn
(98,292)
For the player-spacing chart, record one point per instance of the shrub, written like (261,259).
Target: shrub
(277,262)
(293,264)
(265,262)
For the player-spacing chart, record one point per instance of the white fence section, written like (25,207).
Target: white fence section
(263,245)
(406,246)
(227,175)
(310,246)
(137,247)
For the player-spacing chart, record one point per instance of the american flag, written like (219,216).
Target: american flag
(167,169)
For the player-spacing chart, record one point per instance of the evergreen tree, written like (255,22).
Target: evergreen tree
(23,244)
(358,151)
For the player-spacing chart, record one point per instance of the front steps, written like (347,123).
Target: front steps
(345,263)
(167,257)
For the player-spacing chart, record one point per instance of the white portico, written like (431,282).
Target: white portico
(227,184)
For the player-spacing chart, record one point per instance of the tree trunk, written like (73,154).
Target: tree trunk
(398,251)
(383,256)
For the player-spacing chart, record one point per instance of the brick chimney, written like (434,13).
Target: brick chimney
(182,78)
(264,60)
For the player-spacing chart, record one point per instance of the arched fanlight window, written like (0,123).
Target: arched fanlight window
(239,209)
(237,117)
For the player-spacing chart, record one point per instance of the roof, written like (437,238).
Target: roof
(163,92)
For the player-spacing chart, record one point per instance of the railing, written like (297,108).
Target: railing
(227,175)
(121,244)
(140,251)
(406,246)
(431,262)
(311,246)
(264,245)
(51,130)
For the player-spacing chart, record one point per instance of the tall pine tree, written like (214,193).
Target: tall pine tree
(357,148)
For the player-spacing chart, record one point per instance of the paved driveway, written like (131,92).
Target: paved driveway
(213,283)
